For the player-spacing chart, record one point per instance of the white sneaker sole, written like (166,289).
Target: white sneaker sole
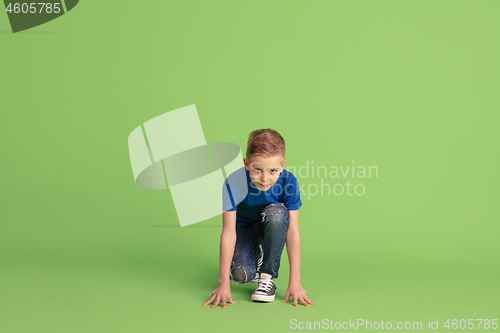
(263,298)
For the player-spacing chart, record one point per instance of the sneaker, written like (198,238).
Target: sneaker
(259,264)
(266,290)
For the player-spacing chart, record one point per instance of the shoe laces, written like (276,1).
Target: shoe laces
(265,285)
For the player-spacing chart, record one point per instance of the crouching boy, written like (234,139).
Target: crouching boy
(258,222)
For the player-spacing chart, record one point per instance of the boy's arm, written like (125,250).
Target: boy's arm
(293,246)
(294,290)
(227,242)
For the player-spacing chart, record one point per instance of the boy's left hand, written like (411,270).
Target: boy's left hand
(297,293)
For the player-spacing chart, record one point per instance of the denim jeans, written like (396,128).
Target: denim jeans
(270,233)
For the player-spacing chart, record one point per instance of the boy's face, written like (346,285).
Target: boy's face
(264,171)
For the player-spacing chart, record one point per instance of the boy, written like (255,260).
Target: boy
(258,220)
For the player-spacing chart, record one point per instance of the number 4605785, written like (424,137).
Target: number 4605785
(32,8)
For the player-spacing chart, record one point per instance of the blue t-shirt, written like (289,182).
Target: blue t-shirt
(240,194)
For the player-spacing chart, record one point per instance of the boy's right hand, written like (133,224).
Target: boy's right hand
(220,294)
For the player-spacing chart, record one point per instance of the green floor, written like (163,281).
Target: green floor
(130,271)
(408,87)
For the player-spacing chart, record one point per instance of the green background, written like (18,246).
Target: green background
(408,86)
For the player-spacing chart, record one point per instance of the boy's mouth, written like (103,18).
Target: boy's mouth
(264,185)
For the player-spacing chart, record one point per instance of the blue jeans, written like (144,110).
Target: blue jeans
(270,233)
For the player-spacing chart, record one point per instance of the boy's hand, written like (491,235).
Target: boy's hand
(297,293)
(220,294)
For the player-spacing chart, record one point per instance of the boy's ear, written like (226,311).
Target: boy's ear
(245,161)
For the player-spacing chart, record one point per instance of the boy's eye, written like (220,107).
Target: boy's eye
(259,170)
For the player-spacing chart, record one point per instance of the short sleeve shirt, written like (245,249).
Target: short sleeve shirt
(240,194)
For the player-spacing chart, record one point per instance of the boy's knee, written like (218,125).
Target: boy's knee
(275,212)
(239,275)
